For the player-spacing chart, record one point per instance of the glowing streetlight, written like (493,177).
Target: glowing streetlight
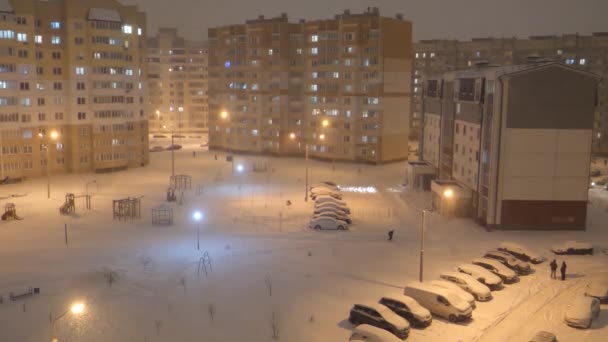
(322,136)
(240,168)
(292,136)
(448,193)
(224,114)
(198,216)
(77,309)
(52,135)
(325,123)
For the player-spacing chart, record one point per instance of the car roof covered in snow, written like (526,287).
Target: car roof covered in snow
(380,334)
(472,282)
(412,304)
(515,247)
(476,269)
(453,298)
(597,288)
(580,307)
(496,264)
(387,313)
(574,243)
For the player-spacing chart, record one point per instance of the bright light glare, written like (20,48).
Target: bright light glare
(448,193)
(292,135)
(54,135)
(359,189)
(77,308)
(224,114)
(240,168)
(325,123)
(322,136)
(592,183)
(197,215)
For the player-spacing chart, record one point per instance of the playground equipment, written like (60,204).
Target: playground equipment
(127,208)
(69,206)
(162,215)
(181,182)
(171,195)
(10,212)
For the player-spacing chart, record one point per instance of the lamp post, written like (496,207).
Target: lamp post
(172,151)
(292,136)
(76,309)
(53,135)
(197,217)
(422,228)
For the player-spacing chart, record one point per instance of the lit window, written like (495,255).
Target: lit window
(424,55)
(55,25)
(127,29)
(314,38)
(560,52)
(314,51)
(314,74)
(227,64)
(7,34)
(270,51)
(22,37)
(55,40)
(79,70)
(38,39)
(582,61)
(336,74)
(417,55)
(432,55)
(314,87)
(140,31)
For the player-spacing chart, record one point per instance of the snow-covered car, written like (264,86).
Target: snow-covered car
(408,308)
(379,316)
(521,267)
(322,206)
(543,336)
(471,285)
(582,311)
(157,149)
(174,147)
(369,333)
(326,198)
(326,186)
(455,290)
(520,252)
(572,247)
(327,223)
(507,275)
(316,192)
(598,288)
(439,301)
(205,144)
(482,275)
(334,214)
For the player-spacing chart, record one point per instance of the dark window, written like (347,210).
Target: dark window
(467,89)
(432,88)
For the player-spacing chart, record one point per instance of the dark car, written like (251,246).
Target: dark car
(507,275)
(573,247)
(520,252)
(408,308)
(379,316)
(521,267)
(157,149)
(174,147)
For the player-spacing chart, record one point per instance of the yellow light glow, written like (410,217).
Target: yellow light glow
(322,136)
(158,112)
(224,114)
(448,193)
(292,135)
(54,135)
(77,308)
(325,123)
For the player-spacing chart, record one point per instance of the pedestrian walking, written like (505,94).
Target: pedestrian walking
(563,270)
(390,235)
(553,269)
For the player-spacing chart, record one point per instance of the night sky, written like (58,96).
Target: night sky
(454,19)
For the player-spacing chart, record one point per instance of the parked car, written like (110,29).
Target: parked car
(408,308)
(439,301)
(544,336)
(595,173)
(456,290)
(582,311)
(174,147)
(471,285)
(507,275)
(520,267)
(520,252)
(159,136)
(334,214)
(316,192)
(157,149)
(328,223)
(572,247)
(601,181)
(329,209)
(380,316)
(369,333)
(334,205)
(598,288)
(482,275)
(325,198)
(326,186)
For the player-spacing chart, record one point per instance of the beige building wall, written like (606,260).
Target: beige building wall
(465,160)
(432,134)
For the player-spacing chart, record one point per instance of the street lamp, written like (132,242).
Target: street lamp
(325,123)
(422,229)
(53,135)
(172,151)
(292,136)
(197,216)
(76,309)
(224,115)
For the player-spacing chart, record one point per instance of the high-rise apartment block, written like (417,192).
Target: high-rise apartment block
(585,52)
(71,79)
(177,83)
(339,86)
(509,146)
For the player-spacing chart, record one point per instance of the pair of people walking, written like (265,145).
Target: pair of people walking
(562,269)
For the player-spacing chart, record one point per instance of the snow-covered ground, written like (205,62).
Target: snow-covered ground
(264,259)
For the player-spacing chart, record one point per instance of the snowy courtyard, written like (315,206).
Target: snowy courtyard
(260,270)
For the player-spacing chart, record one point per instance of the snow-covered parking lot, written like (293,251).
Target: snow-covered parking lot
(268,271)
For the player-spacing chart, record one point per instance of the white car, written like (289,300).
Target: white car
(334,214)
(507,275)
(328,223)
(456,290)
(369,333)
(471,285)
(573,247)
(326,198)
(598,289)
(520,252)
(379,316)
(324,187)
(316,192)
(336,206)
(582,311)
(482,275)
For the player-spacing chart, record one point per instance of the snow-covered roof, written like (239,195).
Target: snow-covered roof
(411,303)
(381,334)
(104,14)
(5,6)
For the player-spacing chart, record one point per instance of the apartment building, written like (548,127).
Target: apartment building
(177,83)
(511,146)
(71,87)
(339,86)
(585,52)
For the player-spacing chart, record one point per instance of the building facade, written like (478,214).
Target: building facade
(71,87)
(512,144)
(585,52)
(177,83)
(339,86)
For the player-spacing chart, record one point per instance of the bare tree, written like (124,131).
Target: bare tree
(268,282)
(211,310)
(275,325)
(158,323)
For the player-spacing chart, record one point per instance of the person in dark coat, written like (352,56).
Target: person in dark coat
(390,235)
(563,270)
(553,269)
